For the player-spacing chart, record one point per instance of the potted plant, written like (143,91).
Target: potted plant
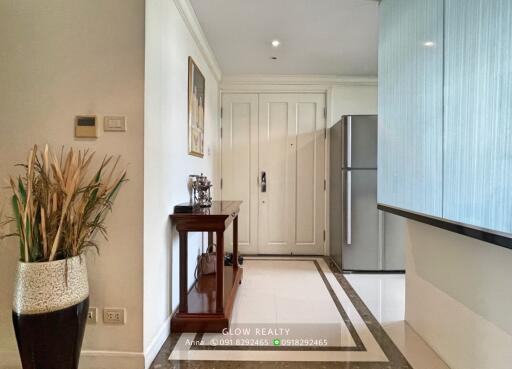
(58,207)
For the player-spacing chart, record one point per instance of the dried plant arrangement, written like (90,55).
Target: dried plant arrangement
(59,204)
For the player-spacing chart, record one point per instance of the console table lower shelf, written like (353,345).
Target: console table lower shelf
(201,315)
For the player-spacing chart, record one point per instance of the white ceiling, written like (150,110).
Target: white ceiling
(328,37)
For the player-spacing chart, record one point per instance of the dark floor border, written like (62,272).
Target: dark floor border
(395,357)
(344,316)
(486,235)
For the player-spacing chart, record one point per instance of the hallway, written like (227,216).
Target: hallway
(220,184)
(301,312)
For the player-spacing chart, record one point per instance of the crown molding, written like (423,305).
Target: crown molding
(233,81)
(189,16)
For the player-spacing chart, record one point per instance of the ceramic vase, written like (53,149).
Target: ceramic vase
(50,306)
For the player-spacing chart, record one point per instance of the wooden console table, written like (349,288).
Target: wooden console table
(208,305)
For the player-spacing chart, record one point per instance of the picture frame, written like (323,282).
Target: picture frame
(196,110)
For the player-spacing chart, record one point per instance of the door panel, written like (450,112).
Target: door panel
(305,223)
(239,164)
(291,153)
(361,221)
(274,204)
(273,142)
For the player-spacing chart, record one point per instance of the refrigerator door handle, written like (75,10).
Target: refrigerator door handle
(349,142)
(349,208)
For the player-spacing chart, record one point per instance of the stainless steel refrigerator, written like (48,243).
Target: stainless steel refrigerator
(362,238)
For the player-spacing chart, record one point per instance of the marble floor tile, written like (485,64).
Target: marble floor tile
(361,316)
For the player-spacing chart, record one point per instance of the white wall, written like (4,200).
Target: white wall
(60,58)
(167,165)
(352,100)
(458,297)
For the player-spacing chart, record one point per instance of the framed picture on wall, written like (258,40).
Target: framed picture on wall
(196,92)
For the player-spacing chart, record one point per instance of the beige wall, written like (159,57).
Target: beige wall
(59,58)
(167,164)
(458,297)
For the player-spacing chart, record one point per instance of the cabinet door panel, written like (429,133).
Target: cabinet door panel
(478,113)
(410,105)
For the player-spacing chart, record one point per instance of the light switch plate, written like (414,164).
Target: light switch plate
(114,123)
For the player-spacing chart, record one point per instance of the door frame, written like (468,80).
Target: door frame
(298,85)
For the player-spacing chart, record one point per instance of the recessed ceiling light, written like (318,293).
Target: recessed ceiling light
(429,44)
(276,43)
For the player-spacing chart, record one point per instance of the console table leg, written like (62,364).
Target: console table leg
(183,272)
(220,273)
(210,239)
(235,242)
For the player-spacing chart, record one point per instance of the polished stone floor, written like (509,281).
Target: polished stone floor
(320,318)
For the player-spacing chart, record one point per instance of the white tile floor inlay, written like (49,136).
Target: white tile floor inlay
(284,293)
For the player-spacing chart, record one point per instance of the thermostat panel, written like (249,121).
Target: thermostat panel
(86,126)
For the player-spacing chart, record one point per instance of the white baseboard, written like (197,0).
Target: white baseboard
(88,360)
(156,343)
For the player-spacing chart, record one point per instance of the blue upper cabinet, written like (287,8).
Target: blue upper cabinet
(410,159)
(478,113)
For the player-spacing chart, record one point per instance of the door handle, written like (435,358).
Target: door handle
(348,230)
(263,181)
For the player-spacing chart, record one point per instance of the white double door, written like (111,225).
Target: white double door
(273,158)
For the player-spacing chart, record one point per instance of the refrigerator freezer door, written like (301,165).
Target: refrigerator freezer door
(360,221)
(360,141)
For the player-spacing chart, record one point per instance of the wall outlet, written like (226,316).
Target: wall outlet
(92,315)
(114,316)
